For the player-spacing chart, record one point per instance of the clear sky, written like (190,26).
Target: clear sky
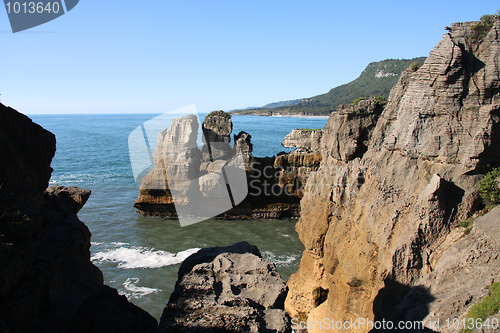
(108,56)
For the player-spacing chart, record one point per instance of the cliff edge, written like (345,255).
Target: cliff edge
(392,186)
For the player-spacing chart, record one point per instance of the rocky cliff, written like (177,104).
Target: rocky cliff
(393,185)
(47,281)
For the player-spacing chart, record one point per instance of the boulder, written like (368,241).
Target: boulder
(227,289)
(72,197)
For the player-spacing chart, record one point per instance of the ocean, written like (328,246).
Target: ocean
(140,256)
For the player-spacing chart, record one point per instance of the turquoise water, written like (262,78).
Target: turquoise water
(140,256)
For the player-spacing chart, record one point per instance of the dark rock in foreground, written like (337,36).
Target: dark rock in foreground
(26,150)
(227,289)
(47,281)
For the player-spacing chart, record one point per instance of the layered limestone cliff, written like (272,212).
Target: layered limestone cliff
(392,185)
(47,281)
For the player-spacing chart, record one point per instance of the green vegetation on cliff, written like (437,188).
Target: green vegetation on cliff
(488,306)
(488,188)
(377,79)
(482,27)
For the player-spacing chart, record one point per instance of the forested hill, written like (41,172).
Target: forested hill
(377,79)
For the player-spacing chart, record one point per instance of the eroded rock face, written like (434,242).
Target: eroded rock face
(464,266)
(446,110)
(47,281)
(349,130)
(294,168)
(229,289)
(243,144)
(370,222)
(176,161)
(193,178)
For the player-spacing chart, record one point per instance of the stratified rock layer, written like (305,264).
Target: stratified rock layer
(227,289)
(391,187)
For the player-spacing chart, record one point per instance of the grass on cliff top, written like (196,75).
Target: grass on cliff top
(482,27)
(219,113)
(488,306)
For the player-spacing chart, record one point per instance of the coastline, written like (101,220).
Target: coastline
(283,116)
(301,116)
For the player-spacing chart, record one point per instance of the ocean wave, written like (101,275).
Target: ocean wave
(85,178)
(134,291)
(141,257)
(280,260)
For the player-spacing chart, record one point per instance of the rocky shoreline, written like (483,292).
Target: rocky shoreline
(278,114)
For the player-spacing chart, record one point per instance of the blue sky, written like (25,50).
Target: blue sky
(108,56)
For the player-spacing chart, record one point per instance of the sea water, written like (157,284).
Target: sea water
(140,256)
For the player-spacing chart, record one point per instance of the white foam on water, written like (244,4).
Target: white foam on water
(82,178)
(141,257)
(119,243)
(134,291)
(283,260)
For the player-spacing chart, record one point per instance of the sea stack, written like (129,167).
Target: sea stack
(183,173)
